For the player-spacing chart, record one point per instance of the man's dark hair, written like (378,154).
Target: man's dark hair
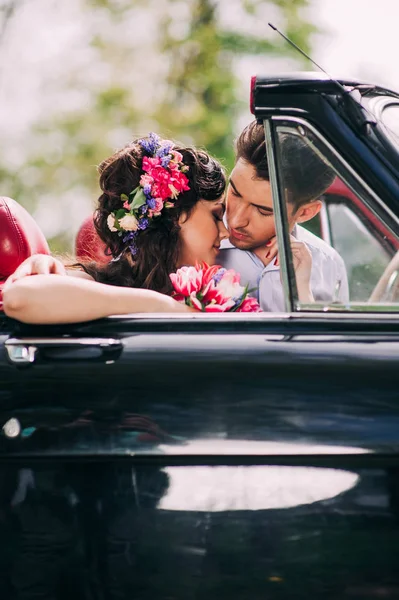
(305,175)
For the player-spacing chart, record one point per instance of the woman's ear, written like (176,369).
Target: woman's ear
(308,211)
(183,218)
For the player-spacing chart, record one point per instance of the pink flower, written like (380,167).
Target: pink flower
(146,180)
(126,205)
(249,305)
(177,156)
(150,163)
(215,306)
(162,181)
(187,280)
(215,300)
(211,289)
(227,288)
(179,181)
(158,205)
(195,303)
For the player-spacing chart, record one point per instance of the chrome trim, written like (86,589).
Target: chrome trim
(281,223)
(351,309)
(21,354)
(24,351)
(63,341)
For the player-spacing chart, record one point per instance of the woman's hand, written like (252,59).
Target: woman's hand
(38,264)
(302,260)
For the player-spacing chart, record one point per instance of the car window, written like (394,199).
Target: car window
(365,258)
(353,241)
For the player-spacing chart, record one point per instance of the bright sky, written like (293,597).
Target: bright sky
(355,40)
(362,39)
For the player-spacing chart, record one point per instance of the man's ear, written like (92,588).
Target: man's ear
(308,211)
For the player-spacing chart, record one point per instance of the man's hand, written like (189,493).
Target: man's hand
(38,264)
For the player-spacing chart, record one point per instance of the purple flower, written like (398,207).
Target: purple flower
(129,236)
(147,191)
(143,223)
(151,203)
(164,150)
(150,145)
(238,299)
(165,160)
(218,275)
(144,209)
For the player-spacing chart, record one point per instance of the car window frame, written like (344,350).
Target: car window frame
(358,186)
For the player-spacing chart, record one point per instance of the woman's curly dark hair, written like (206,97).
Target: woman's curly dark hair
(158,246)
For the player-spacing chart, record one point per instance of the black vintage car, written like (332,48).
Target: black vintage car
(232,456)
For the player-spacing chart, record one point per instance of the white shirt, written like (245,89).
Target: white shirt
(328,280)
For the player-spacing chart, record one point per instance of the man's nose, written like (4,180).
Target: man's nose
(238,218)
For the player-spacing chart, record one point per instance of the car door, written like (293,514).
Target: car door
(191,457)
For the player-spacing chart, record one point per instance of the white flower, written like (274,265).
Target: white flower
(129,223)
(111,222)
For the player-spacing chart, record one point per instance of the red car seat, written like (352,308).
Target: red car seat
(88,246)
(20,237)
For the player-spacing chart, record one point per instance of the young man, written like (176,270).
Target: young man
(252,247)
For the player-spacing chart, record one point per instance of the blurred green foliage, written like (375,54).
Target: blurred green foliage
(162,65)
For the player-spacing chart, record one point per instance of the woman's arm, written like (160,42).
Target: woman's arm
(50,299)
(45,264)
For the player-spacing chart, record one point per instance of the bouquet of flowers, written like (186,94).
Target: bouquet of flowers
(212,289)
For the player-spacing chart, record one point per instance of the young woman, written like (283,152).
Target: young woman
(161,208)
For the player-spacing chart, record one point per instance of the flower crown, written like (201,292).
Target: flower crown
(161,183)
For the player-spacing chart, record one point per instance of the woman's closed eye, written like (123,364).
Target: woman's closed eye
(218,213)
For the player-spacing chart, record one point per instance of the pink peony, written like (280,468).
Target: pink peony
(151,163)
(187,280)
(162,181)
(179,181)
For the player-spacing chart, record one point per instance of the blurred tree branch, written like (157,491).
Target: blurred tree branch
(165,65)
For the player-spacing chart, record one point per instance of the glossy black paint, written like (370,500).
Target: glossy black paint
(258,461)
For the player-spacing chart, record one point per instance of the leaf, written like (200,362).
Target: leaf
(138,200)
(120,213)
(132,194)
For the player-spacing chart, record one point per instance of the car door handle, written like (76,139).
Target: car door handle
(26,351)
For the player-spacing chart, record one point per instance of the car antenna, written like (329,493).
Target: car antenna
(349,96)
(342,88)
